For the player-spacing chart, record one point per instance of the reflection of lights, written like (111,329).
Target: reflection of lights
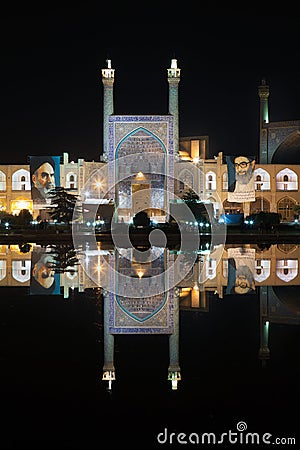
(195,160)
(14,248)
(140,175)
(140,274)
(174,377)
(22,204)
(196,287)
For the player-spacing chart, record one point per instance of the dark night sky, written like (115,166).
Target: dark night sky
(51,88)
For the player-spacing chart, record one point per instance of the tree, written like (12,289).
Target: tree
(64,258)
(24,218)
(5,217)
(198,208)
(66,207)
(25,247)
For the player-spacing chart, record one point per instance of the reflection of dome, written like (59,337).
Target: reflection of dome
(289,297)
(289,151)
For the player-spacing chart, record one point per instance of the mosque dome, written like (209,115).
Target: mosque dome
(288,151)
(289,297)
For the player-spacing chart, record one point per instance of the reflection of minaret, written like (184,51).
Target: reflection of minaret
(173,80)
(108,78)
(108,368)
(264,351)
(263,92)
(174,368)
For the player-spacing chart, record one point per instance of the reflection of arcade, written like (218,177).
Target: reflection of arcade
(141,316)
(276,273)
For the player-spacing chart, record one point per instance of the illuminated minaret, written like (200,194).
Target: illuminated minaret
(108,78)
(108,338)
(174,374)
(263,92)
(173,80)
(264,351)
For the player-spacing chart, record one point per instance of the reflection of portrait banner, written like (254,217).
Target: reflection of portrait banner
(44,176)
(241,265)
(240,178)
(44,280)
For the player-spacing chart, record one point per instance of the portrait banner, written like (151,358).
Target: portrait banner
(44,176)
(240,171)
(241,266)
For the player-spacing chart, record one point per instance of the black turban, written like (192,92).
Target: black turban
(37,161)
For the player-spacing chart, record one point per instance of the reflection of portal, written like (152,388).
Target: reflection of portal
(133,315)
(287,248)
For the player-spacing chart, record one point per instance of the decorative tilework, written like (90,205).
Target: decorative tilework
(160,127)
(158,317)
(276,133)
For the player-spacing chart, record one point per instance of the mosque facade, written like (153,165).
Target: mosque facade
(146,164)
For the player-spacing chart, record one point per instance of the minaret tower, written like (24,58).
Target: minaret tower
(264,351)
(108,338)
(174,374)
(173,80)
(108,78)
(263,92)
